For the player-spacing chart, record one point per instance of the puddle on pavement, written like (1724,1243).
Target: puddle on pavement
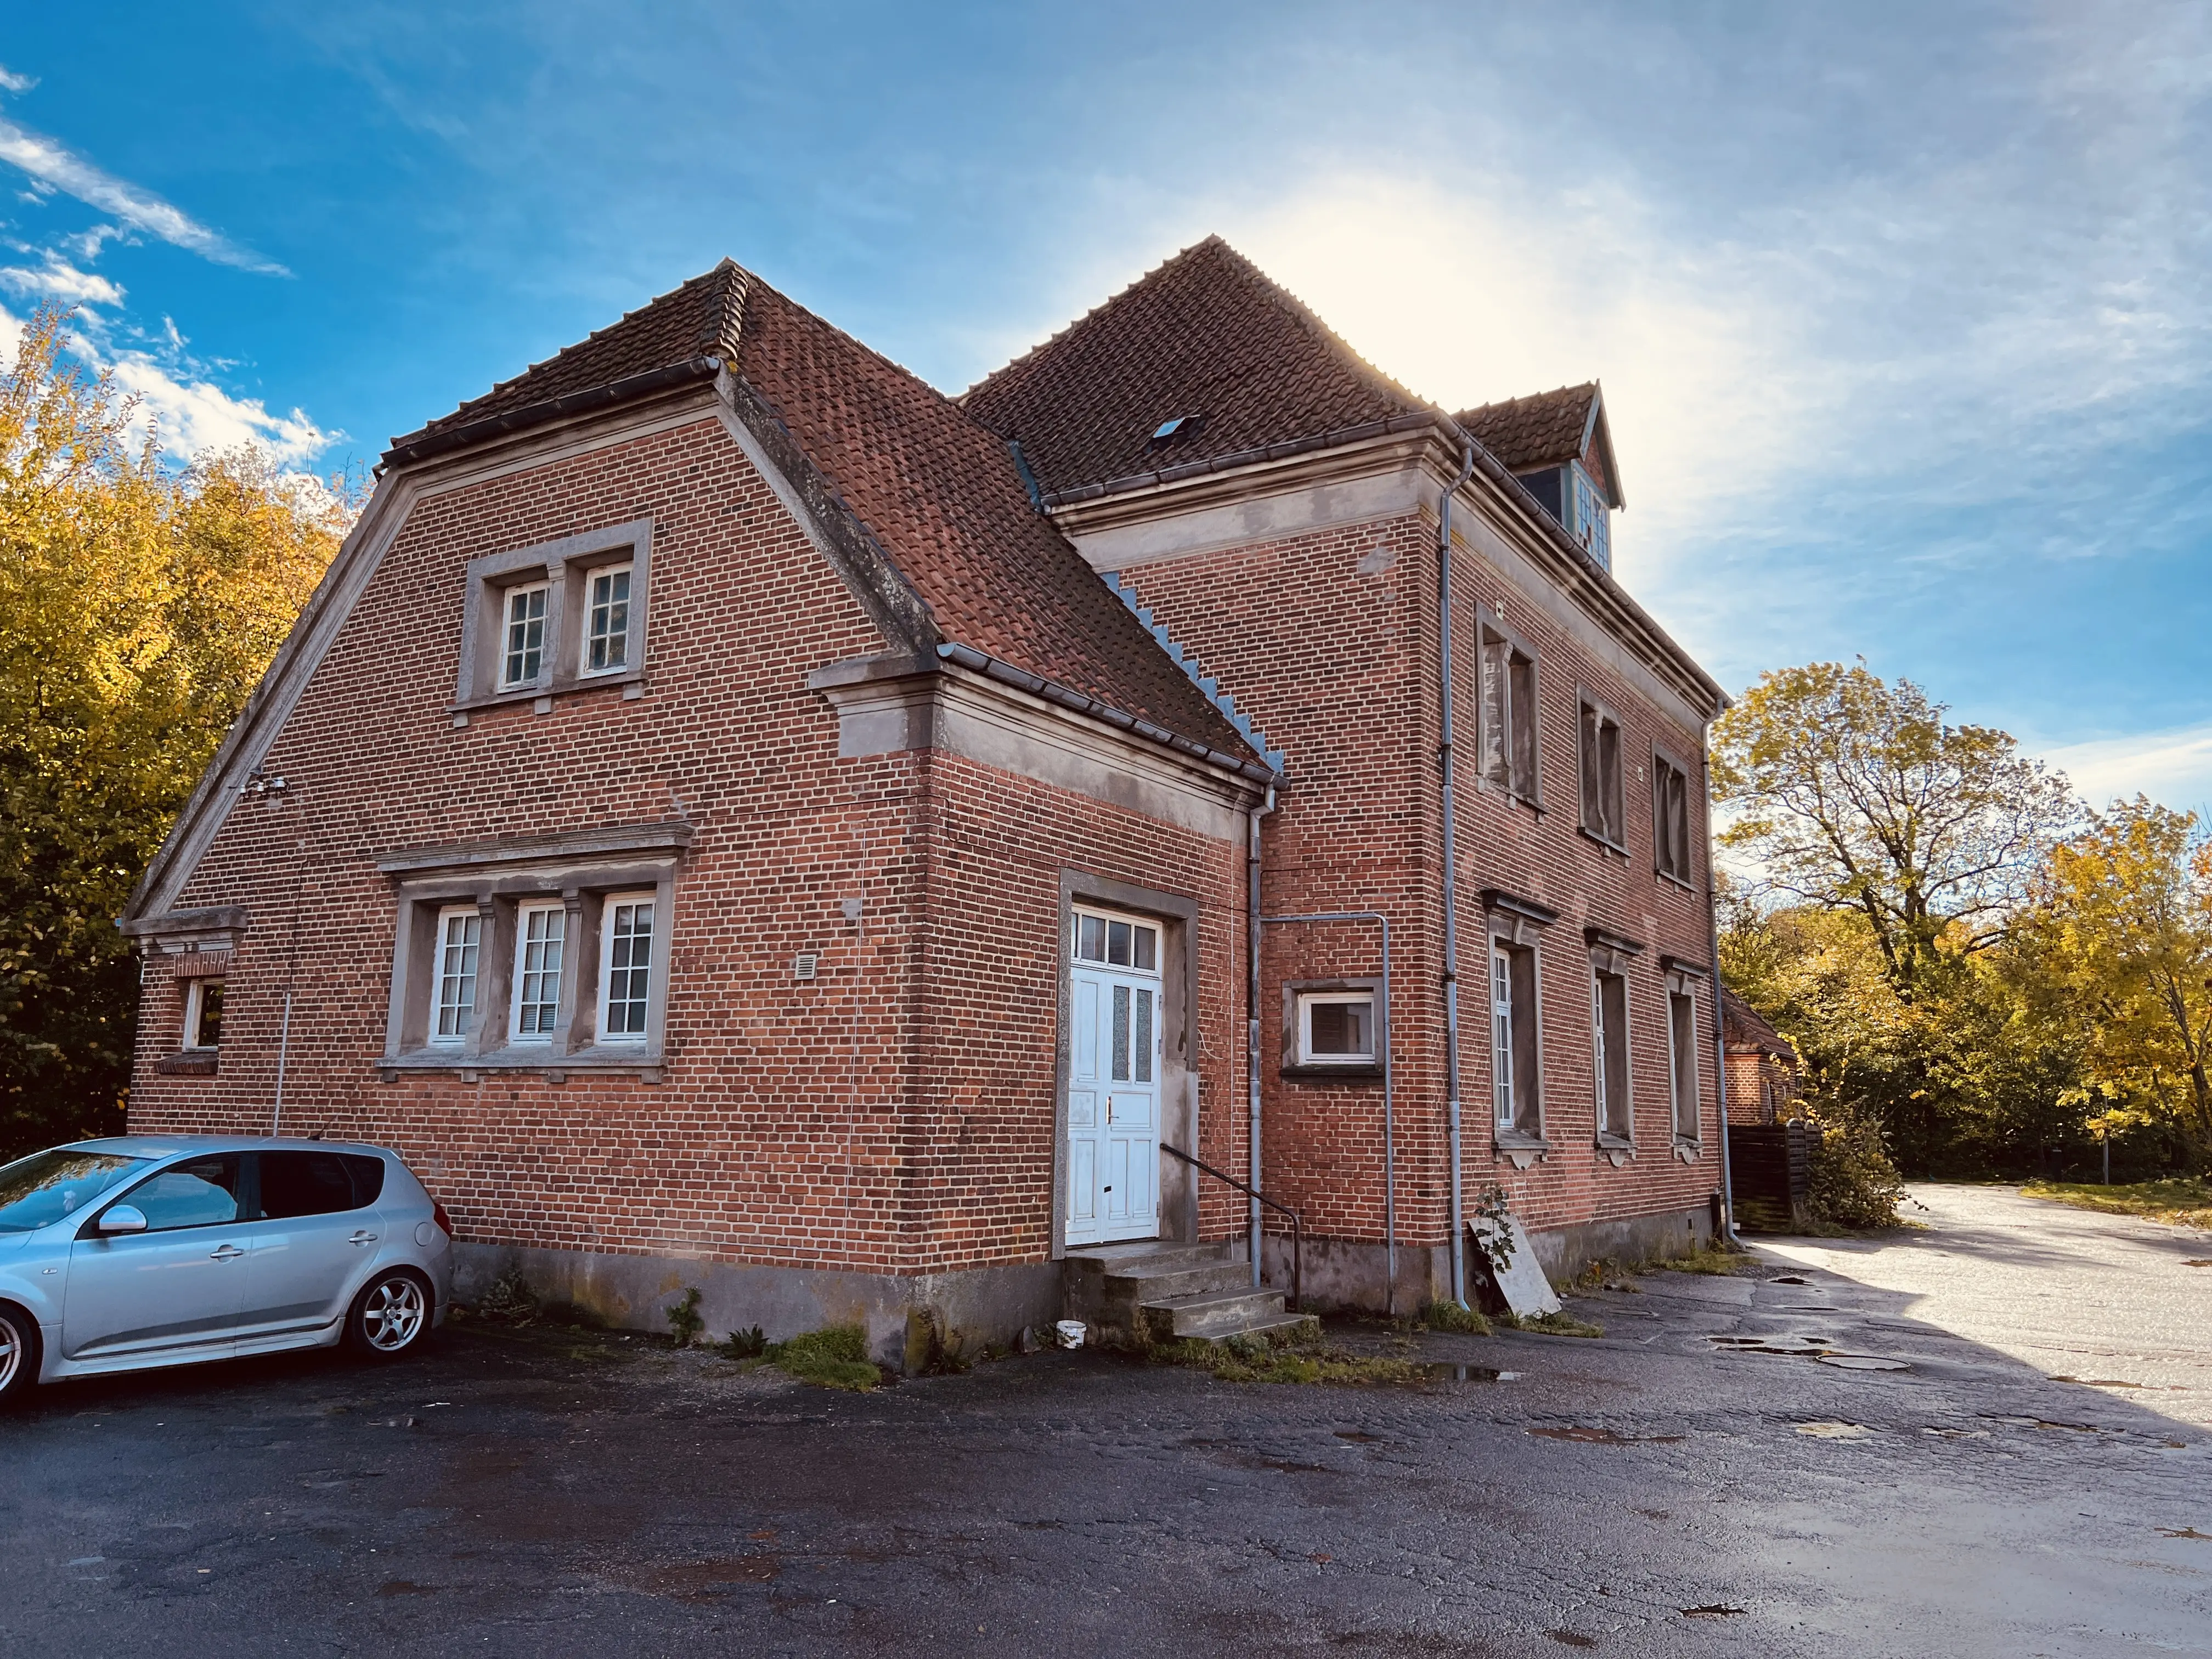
(1438,1371)
(1595,1436)
(1790,1278)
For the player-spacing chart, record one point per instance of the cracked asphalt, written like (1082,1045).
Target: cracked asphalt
(1650,1491)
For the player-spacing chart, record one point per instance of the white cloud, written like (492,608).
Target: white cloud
(11,81)
(195,416)
(51,164)
(60,280)
(2173,767)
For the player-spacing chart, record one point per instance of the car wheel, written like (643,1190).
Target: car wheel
(19,1353)
(391,1316)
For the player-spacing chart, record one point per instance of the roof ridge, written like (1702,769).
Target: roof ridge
(1590,385)
(1308,317)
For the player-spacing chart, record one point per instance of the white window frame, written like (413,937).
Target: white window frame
(1502,1045)
(195,1009)
(565,569)
(1106,922)
(510,681)
(1309,1000)
(592,575)
(1601,1054)
(609,906)
(519,978)
(439,977)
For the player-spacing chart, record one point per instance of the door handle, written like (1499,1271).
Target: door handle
(361,1236)
(225,1253)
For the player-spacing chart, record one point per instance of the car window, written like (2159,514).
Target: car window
(306,1183)
(42,1189)
(202,1193)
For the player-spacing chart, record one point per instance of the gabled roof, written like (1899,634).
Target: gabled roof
(1207,335)
(939,493)
(1743,1026)
(1548,429)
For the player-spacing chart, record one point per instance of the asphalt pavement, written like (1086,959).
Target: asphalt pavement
(1740,1466)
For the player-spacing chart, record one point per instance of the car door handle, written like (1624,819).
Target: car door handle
(225,1254)
(362,1236)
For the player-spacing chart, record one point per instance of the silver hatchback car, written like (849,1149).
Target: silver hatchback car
(145,1250)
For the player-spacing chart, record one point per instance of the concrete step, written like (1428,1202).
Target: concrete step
(1212,1314)
(1160,1281)
(1144,1255)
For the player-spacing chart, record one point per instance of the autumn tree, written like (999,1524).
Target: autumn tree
(139,603)
(2123,923)
(1850,794)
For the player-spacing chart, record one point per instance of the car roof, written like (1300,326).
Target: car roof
(169,1146)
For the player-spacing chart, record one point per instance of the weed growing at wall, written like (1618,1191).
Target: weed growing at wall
(834,1357)
(684,1323)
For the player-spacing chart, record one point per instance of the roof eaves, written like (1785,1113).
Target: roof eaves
(422,445)
(997,668)
(1231,462)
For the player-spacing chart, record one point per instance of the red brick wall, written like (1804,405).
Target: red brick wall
(897,1113)
(1329,641)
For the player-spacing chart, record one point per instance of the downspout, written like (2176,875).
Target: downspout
(1720,1028)
(1252,1007)
(1451,877)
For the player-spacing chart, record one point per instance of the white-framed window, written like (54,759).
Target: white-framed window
(1336,1028)
(453,1001)
(1682,1055)
(1609,1052)
(1670,819)
(1603,813)
(625,967)
(203,1014)
(541,934)
(606,619)
(1513,1050)
(1117,944)
(522,639)
(1591,523)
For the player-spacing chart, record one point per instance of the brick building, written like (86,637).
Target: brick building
(1763,1074)
(734,816)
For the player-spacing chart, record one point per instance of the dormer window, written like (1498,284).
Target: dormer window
(1588,516)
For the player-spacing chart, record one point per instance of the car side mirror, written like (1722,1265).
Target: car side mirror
(122,1218)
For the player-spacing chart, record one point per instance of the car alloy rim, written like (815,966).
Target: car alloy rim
(11,1351)
(394,1314)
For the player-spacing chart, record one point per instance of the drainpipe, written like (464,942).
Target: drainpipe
(1720,1028)
(1451,875)
(1252,1006)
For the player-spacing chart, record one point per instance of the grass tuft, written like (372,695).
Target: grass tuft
(1450,1316)
(835,1357)
(1706,1258)
(1552,1324)
(2186,1200)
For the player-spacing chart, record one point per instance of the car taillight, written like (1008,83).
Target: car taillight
(438,1214)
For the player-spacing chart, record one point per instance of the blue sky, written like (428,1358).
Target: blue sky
(1901,310)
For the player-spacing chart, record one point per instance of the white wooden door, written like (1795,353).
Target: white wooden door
(1114,1049)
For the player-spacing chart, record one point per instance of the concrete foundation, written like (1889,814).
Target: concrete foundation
(969,1310)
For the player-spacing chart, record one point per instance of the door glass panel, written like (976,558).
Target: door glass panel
(1086,1030)
(1121,1034)
(1143,1044)
(306,1183)
(201,1193)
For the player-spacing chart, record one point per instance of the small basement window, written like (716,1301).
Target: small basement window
(204,1015)
(1336,1028)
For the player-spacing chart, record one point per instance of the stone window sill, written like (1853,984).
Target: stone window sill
(632,681)
(1523,1148)
(191,1063)
(1312,1073)
(1688,1150)
(1617,1149)
(1592,837)
(643,1062)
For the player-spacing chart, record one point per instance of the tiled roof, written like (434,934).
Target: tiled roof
(1208,334)
(1542,430)
(1742,1026)
(939,493)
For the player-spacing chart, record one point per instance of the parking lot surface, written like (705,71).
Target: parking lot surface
(1655,1490)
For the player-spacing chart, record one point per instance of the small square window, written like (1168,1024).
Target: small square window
(203,1014)
(606,620)
(1336,1028)
(523,643)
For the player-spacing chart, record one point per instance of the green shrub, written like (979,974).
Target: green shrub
(835,1357)
(1854,1182)
(1450,1316)
(684,1322)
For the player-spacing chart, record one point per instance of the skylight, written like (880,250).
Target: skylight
(1181,427)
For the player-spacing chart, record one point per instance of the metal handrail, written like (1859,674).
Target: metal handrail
(1297,1222)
